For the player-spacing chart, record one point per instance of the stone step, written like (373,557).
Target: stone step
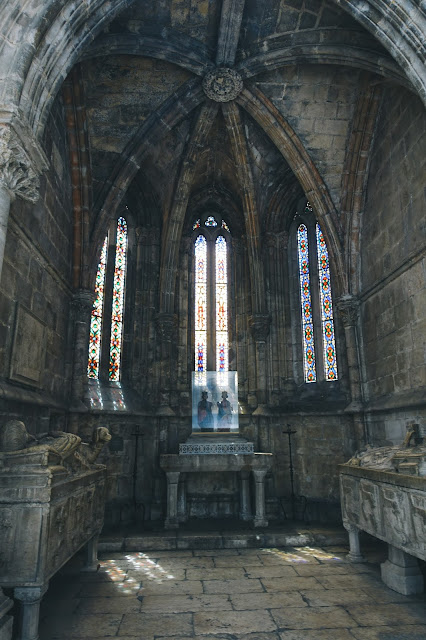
(197,538)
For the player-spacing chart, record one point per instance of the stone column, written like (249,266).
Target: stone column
(92,563)
(172,500)
(245,507)
(259,325)
(6,621)
(348,308)
(82,304)
(354,547)
(401,572)
(260,517)
(166,324)
(17,178)
(30,598)
(181,505)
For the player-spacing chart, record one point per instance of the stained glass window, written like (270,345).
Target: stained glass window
(95,335)
(118,300)
(200,304)
(221,306)
(210,222)
(196,225)
(306,305)
(326,308)
(224,225)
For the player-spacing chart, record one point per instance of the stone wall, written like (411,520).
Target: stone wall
(35,292)
(393,268)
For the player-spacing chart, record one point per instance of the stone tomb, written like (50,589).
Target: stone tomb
(392,507)
(52,500)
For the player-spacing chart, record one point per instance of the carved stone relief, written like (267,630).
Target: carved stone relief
(16,172)
(222,84)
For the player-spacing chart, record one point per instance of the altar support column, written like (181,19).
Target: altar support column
(172,498)
(401,572)
(92,563)
(354,547)
(6,621)
(260,517)
(245,507)
(30,598)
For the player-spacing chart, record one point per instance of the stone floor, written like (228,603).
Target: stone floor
(303,593)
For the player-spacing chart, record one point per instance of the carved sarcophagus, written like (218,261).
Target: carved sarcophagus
(392,507)
(52,500)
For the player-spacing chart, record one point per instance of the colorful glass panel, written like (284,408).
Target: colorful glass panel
(222,347)
(225,226)
(118,301)
(326,304)
(306,305)
(196,225)
(96,319)
(210,222)
(200,304)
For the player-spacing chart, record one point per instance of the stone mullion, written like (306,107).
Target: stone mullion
(241,313)
(107,310)
(184,343)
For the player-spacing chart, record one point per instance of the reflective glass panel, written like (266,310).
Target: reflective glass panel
(222,346)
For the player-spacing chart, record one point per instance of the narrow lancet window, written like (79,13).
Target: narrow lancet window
(222,346)
(306,305)
(95,336)
(200,304)
(326,306)
(118,301)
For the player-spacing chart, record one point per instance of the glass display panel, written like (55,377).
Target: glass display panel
(215,402)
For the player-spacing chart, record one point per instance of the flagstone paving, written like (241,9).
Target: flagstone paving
(243,594)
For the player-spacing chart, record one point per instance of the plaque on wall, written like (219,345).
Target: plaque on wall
(29,348)
(214,402)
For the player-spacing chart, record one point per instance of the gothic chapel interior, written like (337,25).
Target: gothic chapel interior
(203,186)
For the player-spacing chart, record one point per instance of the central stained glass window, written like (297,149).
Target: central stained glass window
(211,344)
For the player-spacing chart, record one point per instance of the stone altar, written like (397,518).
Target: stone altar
(52,498)
(383,492)
(220,461)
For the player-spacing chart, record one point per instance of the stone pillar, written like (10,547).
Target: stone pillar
(354,547)
(401,572)
(82,307)
(172,500)
(166,324)
(260,517)
(245,506)
(6,621)
(259,325)
(30,598)
(348,308)
(17,178)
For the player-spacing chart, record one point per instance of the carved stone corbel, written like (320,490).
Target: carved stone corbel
(166,324)
(348,308)
(17,174)
(259,324)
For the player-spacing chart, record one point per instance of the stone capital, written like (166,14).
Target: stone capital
(166,324)
(30,595)
(259,324)
(17,173)
(348,308)
(82,301)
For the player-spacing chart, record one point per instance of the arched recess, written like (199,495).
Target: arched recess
(175,109)
(290,146)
